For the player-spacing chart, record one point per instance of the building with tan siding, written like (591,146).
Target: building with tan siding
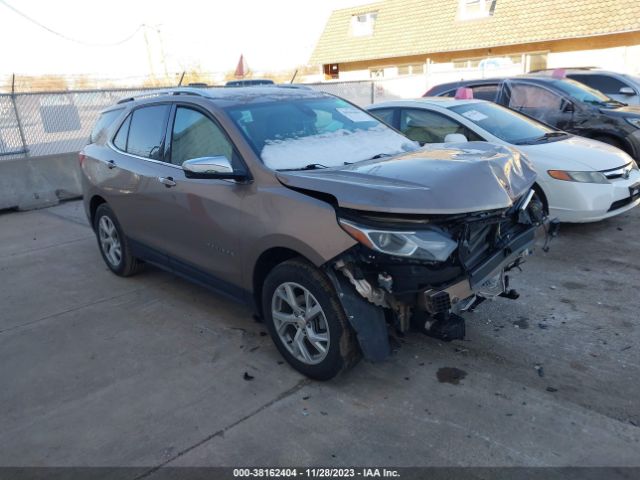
(452,39)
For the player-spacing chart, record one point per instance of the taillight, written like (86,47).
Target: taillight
(81,157)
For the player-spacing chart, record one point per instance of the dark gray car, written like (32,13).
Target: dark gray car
(335,226)
(561,103)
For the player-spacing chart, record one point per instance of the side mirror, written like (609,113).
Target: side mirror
(455,138)
(211,167)
(627,91)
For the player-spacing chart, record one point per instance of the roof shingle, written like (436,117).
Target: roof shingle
(415,27)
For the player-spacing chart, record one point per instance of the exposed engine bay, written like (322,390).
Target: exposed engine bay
(466,260)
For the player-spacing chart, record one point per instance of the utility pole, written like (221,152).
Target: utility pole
(163,58)
(149,56)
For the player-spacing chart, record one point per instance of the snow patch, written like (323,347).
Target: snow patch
(335,148)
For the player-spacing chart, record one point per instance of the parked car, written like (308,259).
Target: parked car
(561,103)
(335,226)
(619,86)
(579,179)
(252,82)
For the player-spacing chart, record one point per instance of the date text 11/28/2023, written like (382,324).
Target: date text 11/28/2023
(315,472)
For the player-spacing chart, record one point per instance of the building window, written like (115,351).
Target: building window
(362,24)
(414,69)
(332,71)
(376,72)
(469,63)
(536,61)
(471,9)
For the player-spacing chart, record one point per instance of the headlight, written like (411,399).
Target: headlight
(634,121)
(582,177)
(428,244)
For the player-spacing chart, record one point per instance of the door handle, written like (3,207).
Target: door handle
(111,164)
(167,181)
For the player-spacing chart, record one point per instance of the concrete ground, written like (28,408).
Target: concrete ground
(96,370)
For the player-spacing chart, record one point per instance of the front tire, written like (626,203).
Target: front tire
(614,142)
(307,322)
(113,244)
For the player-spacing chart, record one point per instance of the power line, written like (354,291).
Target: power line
(70,39)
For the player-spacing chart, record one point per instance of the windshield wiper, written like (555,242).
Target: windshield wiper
(544,137)
(615,103)
(311,166)
(380,155)
(607,103)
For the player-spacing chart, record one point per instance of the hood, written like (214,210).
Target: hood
(575,153)
(437,179)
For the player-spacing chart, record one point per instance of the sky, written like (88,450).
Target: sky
(207,34)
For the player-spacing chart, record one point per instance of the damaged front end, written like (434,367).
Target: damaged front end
(422,271)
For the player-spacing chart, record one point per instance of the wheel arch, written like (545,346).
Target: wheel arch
(266,262)
(543,196)
(601,136)
(95,202)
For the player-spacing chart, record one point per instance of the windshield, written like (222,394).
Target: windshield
(503,123)
(583,93)
(634,78)
(324,132)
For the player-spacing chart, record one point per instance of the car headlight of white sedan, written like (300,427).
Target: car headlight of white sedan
(581,177)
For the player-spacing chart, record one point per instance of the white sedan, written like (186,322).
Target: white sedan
(579,180)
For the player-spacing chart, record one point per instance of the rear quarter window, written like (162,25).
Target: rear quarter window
(104,122)
(120,140)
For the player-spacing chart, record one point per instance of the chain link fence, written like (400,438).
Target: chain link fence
(39,124)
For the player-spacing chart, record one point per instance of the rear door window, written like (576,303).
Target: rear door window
(430,127)
(146,132)
(535,101)
(604,83)
(387,115)
(485,92)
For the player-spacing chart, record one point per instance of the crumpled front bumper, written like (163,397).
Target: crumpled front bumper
(485,280)
(362,301)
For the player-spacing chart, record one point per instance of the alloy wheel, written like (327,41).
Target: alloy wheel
(110,241)
(300,323)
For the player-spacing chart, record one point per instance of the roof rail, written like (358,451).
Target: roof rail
(540,70)
(156,93)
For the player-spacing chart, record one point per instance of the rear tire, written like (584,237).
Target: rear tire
(112,243)
(307,322)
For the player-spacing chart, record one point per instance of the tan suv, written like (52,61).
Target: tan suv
(336,227)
